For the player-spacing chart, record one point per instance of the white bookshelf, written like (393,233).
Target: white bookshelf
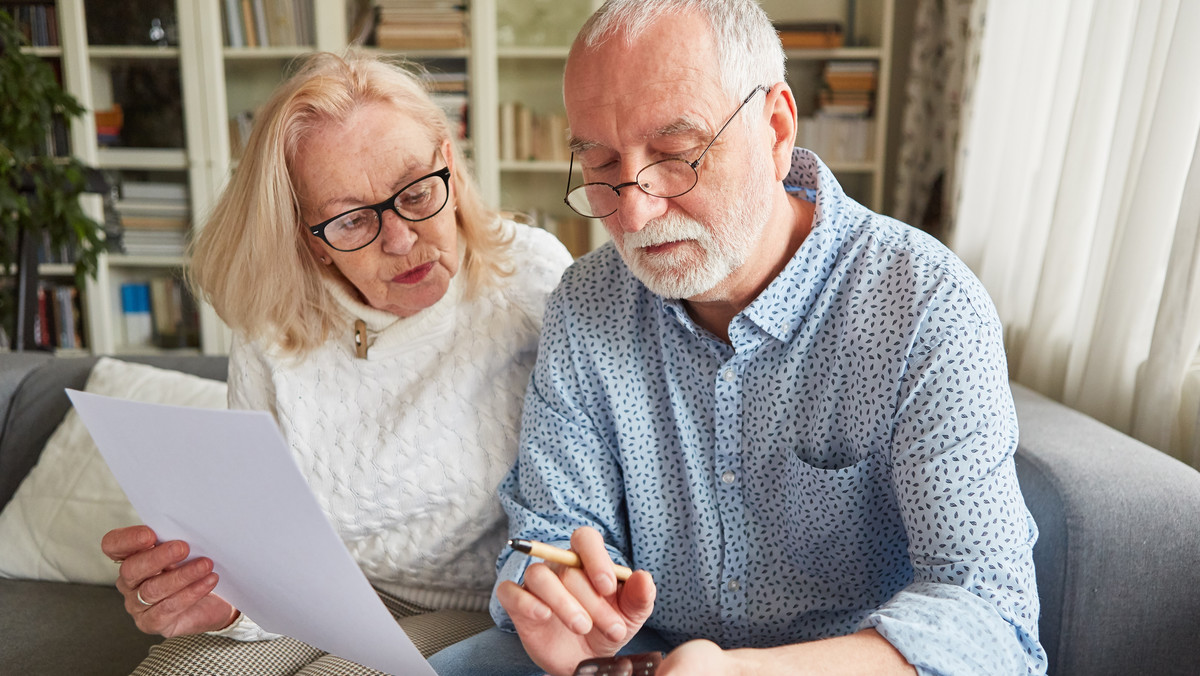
(870,26)
(513,54)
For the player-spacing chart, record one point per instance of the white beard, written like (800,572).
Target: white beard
(710,253)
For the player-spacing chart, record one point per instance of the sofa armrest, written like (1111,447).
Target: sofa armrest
(1118,556)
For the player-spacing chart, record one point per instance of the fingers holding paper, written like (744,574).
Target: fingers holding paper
(564,614)
(163,594)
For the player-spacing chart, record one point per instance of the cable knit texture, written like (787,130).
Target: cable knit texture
(404,449)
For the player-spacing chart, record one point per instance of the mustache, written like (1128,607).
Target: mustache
(666,228)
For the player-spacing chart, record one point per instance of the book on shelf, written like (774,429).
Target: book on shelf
(37,23)
(527,135)
(455,105)
(58,323)
(135,313)
(860,75)
(420,24)
(165,243)
(49,253)
(159,312)
(267,23)
(161,191)
(848,87)
(154,218)
(810,35)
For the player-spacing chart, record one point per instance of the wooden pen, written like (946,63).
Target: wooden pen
(564,556)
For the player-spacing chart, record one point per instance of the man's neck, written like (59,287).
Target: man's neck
(785,232)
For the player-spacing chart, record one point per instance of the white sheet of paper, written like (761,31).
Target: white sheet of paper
(226,483)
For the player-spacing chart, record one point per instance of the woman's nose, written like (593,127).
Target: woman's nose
(398,235)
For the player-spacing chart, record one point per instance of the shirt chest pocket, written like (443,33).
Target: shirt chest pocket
(841,519)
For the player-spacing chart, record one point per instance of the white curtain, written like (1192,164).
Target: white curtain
(1078,205)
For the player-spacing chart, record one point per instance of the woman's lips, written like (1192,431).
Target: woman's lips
(414,275)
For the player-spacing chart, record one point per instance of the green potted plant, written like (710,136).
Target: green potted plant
(39,192)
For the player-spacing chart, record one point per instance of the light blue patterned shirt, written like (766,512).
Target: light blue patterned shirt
(845,463)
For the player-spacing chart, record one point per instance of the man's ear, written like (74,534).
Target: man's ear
(781,112)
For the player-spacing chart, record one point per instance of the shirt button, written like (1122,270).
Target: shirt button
(734,585)
(728,375)
(728,476)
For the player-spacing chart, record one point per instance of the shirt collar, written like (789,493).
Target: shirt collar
(780,309)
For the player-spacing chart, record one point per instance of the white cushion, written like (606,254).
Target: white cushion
(51,528)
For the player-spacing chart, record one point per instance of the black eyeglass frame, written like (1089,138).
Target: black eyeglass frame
(693,164)
(388,204)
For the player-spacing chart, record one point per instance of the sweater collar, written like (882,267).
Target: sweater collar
(387,333)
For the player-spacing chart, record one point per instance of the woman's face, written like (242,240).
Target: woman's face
(364,160)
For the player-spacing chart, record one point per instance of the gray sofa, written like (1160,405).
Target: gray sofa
(1118,558)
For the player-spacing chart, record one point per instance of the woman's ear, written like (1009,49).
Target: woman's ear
(317,247)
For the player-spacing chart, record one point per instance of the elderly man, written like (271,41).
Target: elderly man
(789,413)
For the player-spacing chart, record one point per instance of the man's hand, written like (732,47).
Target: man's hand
(164,595)
(566,615)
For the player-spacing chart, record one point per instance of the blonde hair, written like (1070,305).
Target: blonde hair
(251,259)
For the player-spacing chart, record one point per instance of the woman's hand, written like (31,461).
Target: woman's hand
(163,594)
(566,615)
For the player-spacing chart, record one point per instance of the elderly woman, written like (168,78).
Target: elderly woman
(389,321)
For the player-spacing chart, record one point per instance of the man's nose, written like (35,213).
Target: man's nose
(398,235)
(635,208)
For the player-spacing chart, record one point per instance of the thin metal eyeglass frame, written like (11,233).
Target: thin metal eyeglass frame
(388,204)
(693,164)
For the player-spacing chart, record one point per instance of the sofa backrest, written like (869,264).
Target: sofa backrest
(33,401)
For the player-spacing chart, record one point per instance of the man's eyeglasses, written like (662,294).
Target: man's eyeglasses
(666,178)
(420,200)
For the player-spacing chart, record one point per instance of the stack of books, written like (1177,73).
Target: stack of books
(449,90)
(267,23)
(849,87)
(843,127)
(810,35)
(420,24)
(154,218)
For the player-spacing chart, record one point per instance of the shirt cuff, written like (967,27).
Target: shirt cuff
(945,630)
(245,629)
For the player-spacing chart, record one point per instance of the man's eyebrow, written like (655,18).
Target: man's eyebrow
(687,125)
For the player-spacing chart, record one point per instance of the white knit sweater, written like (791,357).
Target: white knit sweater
(404,449)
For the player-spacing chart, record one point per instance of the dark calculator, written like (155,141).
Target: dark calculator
(620,665)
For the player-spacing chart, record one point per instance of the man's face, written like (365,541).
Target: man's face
(630,107)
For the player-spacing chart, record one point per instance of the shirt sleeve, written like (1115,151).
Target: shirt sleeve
(245,629)
(566,475)
(972,607)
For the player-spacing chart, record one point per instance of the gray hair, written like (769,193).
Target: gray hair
(748,49)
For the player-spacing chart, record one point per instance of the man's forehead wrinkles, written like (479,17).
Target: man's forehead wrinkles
(685,125)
